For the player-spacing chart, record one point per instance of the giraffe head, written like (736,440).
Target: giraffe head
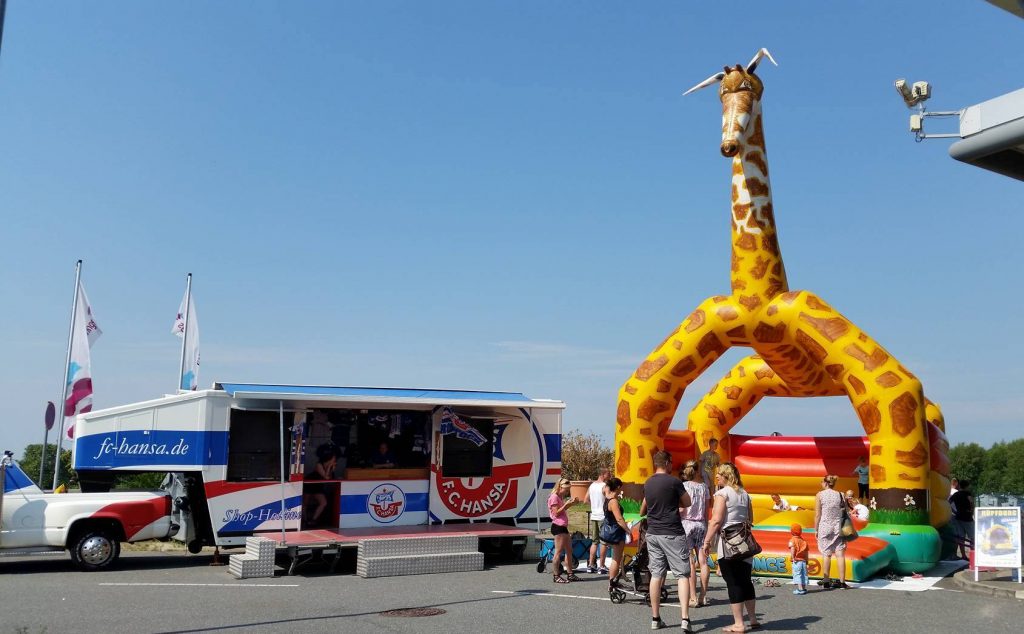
(739,89)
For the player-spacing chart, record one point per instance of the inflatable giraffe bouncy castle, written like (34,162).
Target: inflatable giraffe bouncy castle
(802,348)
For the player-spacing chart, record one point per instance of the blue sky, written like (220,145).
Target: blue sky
(497,196)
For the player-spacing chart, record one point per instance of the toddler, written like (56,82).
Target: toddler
(798,555)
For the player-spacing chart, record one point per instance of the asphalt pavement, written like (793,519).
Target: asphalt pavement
(165,593)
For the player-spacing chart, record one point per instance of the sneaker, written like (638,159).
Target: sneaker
(657,624)
(602,570)
(797,592)
(685,625)
(592,570)
(801,591)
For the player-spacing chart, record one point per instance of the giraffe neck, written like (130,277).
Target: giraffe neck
(757,271)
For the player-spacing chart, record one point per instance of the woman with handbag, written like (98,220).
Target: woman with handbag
(732,516)
(614,530)
(558,502)
(829,512)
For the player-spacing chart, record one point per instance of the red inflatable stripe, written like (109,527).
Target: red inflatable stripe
(801,447)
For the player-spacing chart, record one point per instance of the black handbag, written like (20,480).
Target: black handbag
(738,542)
(612,533)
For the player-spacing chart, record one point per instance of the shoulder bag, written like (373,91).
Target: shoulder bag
(738,540)
(848,531)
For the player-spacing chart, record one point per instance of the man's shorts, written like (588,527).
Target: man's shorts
(668,552)
(595,528)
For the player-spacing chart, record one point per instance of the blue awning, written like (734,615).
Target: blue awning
(377,394)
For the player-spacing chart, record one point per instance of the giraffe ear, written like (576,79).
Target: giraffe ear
(752,66)
(707,82)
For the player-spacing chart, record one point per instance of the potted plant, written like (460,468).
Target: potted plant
(583,458)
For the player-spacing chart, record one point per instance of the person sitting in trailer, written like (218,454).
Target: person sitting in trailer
(383,459)
(327,460)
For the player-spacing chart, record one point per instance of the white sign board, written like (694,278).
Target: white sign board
(997,537)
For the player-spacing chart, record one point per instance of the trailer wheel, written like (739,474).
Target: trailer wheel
(95,550)
(195,546)
(541,565)
(617,596)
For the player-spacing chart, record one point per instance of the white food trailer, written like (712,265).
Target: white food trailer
(251,459)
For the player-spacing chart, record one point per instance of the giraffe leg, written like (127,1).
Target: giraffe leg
(649,398)
(888,399)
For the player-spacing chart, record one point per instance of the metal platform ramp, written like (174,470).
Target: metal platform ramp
(391,557)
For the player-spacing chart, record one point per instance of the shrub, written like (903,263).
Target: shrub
(584,456)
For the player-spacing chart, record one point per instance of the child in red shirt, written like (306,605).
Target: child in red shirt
(798,555)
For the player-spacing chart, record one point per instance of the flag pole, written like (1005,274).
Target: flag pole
(64,392)
(184,335)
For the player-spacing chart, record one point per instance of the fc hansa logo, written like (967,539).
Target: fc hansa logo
(385,503)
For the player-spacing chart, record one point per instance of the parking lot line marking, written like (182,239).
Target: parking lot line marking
(217,585)
(527,593)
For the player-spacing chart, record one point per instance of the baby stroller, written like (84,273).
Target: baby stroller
(635,578)
(580,549)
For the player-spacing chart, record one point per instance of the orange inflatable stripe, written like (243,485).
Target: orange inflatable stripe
(758,465)
(682,445)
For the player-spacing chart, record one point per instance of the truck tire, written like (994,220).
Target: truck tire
(195,547)
(95,549)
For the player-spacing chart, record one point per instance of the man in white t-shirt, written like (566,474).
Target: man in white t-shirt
(595,496)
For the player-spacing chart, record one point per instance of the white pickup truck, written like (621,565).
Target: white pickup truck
(91,526)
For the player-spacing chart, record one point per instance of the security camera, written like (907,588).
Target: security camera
(914,94)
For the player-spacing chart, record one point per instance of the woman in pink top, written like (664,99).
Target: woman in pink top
(558,501)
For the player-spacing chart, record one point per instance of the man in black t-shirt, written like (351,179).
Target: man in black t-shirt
(666,540)
(963,517)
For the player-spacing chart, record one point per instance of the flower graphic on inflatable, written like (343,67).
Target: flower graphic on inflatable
(908,501)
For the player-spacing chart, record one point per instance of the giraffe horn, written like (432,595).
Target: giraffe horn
(707,82)
(757,58)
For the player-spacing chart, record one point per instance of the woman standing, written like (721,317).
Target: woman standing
(828,524)
(614,528)
(558,502)
(732,506)
(695,523)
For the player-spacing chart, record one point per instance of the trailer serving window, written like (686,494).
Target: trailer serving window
(255,445)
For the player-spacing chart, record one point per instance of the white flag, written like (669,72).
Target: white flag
(85,332)
(190,373)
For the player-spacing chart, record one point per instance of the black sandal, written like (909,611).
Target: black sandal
(572,577)
(560,579)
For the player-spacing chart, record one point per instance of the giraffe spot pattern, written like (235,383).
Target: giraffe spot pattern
(760,268)
(830,328)
(836,371)
(913,458)
(757,187)
(740,211)
(678,345)
(910,375)
(735,263)
(876,450)
(813,349)
(878,473)
(789,297)
(739,332)
(769,334)
(695,320)
(640,452)
(630,389)
(856,384)
(727,313)
(738,285)
(710,344)
(746,241)
(622,416)
(650,367)
(816,304)
(735,411)
(771,244)
(772,310)
(870,361)
(757,158)
(715,413)
(750,302)
(663,385)
(684,367)
(888,379)
(651,408)
(622,462)
(907,477)
(764,373)
(666,339)
(903,411)
(870,416)
(733,392)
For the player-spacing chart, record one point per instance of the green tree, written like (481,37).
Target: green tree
(29,462)
(584,456)
(994,471)
(1013,478)
(151,480)
(966,461)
